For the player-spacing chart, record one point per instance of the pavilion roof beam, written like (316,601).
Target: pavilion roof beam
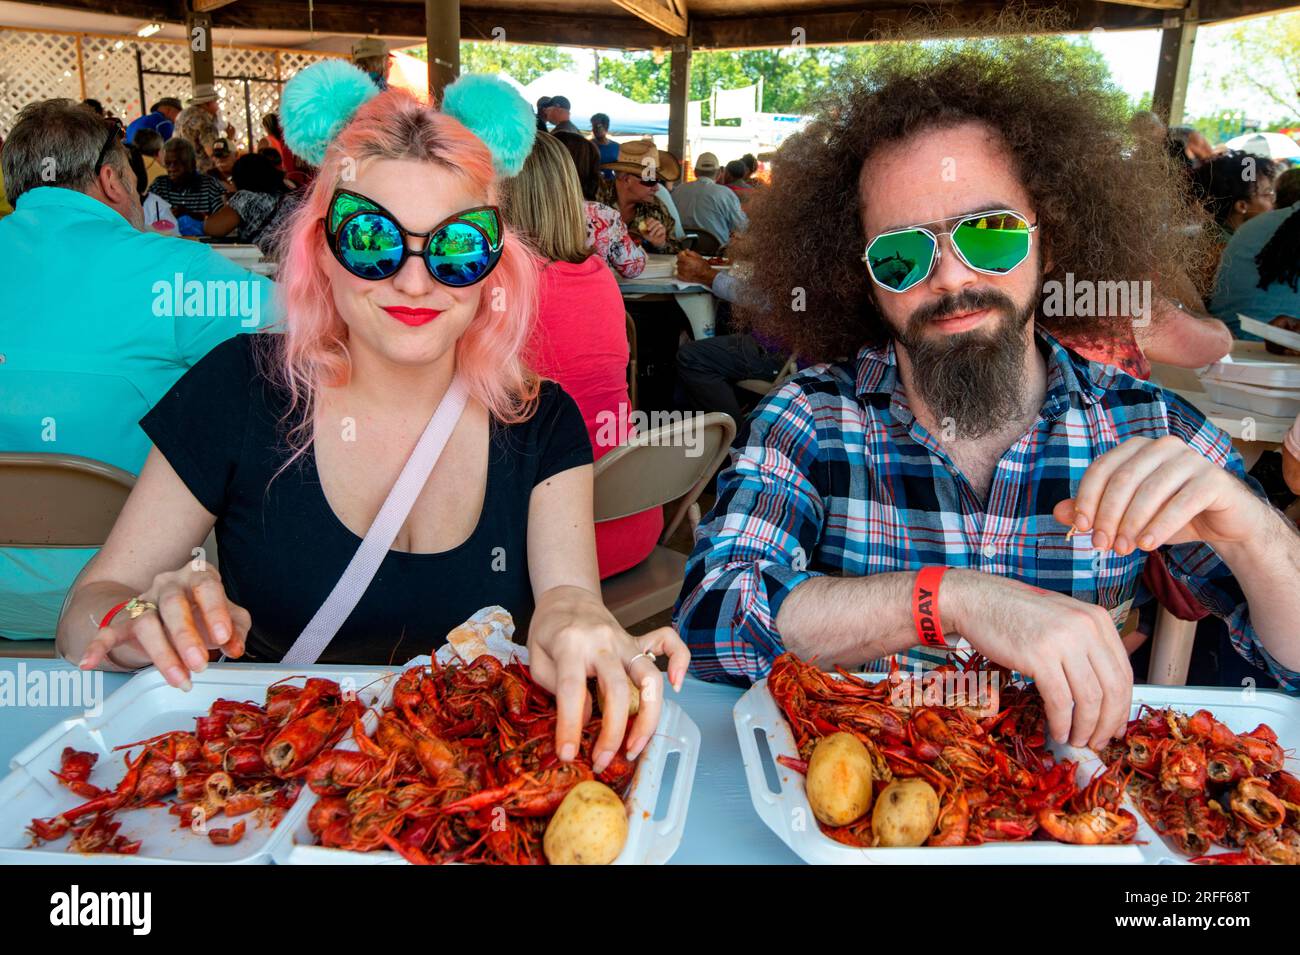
(666,15)
(1216,11)
(872,24)
(169,11)
(1152,4)
(407,20)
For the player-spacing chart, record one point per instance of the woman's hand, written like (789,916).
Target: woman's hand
(194,615)
(573,637)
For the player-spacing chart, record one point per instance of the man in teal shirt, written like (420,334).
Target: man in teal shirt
(97,321)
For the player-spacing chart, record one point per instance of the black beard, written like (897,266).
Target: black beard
(973,378)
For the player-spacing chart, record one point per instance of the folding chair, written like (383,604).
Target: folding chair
(760,386)
(654,468)
(56,501)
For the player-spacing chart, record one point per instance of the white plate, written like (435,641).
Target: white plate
(1272,402)
(143,707)
(788,814)
(650,841)
(1266,371)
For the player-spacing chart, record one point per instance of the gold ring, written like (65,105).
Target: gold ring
(137,606)
(648,654)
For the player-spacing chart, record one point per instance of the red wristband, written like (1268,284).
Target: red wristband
(108,617)
(925,607)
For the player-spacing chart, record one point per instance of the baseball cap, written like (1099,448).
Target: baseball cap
(706,165)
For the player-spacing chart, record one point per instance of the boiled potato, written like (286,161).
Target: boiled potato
(839,779)
(905,813)
(589,828)
(633,698)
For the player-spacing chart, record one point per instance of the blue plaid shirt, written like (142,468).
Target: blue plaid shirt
(832,474)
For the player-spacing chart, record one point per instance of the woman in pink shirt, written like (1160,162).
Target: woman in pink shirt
(580,339)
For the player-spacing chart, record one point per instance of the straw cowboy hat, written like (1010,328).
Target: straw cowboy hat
(640,155)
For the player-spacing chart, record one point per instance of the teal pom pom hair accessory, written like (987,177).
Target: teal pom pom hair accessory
(493,110)
(321,99)
(318,102)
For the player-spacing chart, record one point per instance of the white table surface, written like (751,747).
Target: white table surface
(721,825)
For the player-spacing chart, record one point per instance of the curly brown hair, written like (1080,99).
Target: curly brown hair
(1108,210)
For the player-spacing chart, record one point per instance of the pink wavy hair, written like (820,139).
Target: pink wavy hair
(312,352)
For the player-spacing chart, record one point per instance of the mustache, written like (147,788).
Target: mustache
(968,300)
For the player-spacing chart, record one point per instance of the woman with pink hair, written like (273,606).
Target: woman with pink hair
(401,287)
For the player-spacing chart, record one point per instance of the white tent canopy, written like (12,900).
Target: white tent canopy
(1266,145)
(586,98)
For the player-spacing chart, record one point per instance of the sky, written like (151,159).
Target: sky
(1132,56)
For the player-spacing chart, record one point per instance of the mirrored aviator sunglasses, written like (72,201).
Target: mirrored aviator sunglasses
(370,243)
(993,243)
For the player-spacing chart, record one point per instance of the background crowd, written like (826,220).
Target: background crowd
(593,208)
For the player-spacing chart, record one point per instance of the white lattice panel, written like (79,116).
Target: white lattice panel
(35,66)
(170,57)
(110,75)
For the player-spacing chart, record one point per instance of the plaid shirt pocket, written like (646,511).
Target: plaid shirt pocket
(1103,578)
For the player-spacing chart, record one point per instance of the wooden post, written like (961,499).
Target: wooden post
(198,27)
(1176,42)
(679,87)
(81,68)
(139,80)
(442,32)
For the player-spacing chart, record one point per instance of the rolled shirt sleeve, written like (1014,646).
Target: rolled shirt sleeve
(756,545)
(1205,575)
(726,287)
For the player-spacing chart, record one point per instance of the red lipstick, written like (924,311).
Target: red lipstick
(412,316)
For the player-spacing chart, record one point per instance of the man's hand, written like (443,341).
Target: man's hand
(693,267)
(653,231)
(1147,493)
(1070,648)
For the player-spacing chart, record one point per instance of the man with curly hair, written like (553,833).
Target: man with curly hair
(962,472)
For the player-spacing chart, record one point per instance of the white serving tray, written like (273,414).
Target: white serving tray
(143,707)
(1274,402)
(788,814)
(650,841)
(1279,336)
(1266,371)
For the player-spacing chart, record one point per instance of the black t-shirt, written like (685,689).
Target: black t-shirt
(281,548)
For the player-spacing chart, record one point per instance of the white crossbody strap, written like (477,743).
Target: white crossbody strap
(343,599)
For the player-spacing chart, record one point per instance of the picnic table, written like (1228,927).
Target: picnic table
(1251,433)
(246,256)
(721,825)
(658,281)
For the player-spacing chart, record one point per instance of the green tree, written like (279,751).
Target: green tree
(524,63)
(1266,57)
(793,77)
(636,75)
